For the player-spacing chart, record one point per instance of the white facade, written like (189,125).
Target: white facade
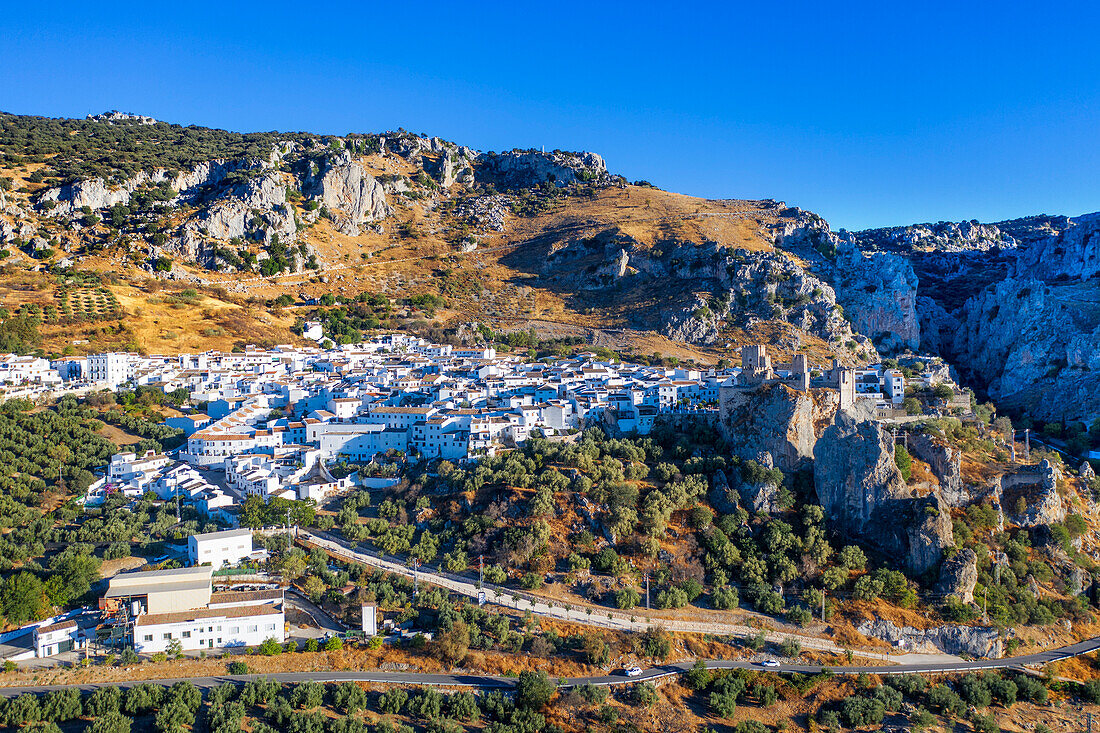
(112,369)
(57,638)
(219,548)
(210,628)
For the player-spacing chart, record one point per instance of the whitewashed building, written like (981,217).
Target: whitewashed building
(228,547)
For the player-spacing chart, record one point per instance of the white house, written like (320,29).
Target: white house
(228,547)
(112,369)
(210,628)
(57,638)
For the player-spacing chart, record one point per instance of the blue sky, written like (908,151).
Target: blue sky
(870,114)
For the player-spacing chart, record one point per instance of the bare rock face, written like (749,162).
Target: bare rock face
(95,193)
(959,575)
(721,496)
(974,641)
(879,294)
(1032,343)
(759,496)
(526,168)
(1030,495)
(1071,253)
(354,196)
(945,463)
(256,208)
(778,421)
(866,497)
(1010,304)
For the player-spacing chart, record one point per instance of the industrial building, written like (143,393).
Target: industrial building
(152,609)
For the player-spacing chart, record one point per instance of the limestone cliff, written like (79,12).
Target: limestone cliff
(1011,304)
(778,421)
(866,497)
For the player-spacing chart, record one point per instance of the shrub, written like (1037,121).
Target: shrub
(645,694)
(945,700)
(904,461)
(975,691)
(725,598)
(627,598)
(859,711)
(790,647)
(237,667)
(533,690)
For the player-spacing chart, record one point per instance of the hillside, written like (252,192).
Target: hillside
(518,241)
(149,236)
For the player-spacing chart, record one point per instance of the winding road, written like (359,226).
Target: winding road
(653,673)
(598,616)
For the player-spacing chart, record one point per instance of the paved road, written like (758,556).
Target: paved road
(654,673)
(586,615)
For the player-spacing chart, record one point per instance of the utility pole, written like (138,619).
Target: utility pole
(985,606)
(289,538)
(822,605)
(1012,442)
(647,591)
(1027,445)
(480,571)
(416,578)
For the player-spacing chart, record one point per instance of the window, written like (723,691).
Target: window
(234,629)
(167,636)
(252,629)
(186,635)
(148,637)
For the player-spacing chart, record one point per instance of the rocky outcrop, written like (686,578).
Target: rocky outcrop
(776,421)
(527,168)
(945,463)
(1008,303)
(867,499)
(879,293)
(354,197)
(958,576)
(973,641)
(95,193)
(1033,344)
(758,496)
(1073,253)
(721,496)
(945,236)
(256,209)
(1029,495)
(486,213)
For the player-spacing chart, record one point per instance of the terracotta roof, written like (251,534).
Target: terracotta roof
(152,619)
(246,596)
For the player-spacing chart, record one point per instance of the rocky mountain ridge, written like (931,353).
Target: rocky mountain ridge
(1007,303)
(1011,304)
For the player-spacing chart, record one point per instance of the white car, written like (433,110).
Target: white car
(633,671)
(770,663)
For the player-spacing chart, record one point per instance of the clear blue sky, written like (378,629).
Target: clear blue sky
(868,113)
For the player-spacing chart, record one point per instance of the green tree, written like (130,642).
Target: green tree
(904,461)
(533,690)
(111,723)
